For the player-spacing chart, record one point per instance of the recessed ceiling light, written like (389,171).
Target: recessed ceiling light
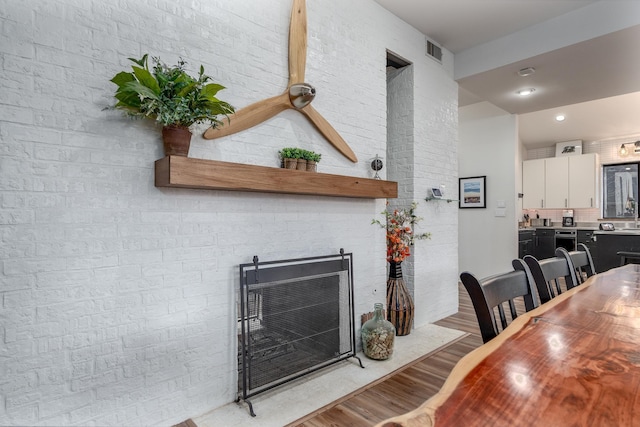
(526,92)
(526,71)
(560,118)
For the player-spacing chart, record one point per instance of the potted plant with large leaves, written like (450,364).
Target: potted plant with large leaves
(171,97)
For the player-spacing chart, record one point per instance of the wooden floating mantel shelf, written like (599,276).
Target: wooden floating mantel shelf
(185,172)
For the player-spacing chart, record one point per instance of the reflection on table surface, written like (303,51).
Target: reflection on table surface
(572,361)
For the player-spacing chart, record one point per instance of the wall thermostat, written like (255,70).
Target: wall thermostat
(436,193)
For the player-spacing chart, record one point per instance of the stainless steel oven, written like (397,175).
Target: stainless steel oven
(566,239)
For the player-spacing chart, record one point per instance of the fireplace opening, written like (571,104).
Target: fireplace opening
(295,317)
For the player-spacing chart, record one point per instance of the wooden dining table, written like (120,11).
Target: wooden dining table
(573,361)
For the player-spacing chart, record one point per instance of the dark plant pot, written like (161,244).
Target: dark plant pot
(302,165)
(176,140)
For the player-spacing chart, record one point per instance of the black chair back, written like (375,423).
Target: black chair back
(491,292)
(581,260)
(547,274)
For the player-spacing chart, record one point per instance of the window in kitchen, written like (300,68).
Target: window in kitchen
(620,187)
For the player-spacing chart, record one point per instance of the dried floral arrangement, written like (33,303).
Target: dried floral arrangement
(399,224)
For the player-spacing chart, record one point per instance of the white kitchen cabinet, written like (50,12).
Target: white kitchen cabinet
(533,184)
(567,182)
(584,177)
(557,183)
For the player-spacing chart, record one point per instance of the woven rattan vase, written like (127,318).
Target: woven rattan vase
(400,308)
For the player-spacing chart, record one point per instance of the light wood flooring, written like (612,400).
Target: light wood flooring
(409,386)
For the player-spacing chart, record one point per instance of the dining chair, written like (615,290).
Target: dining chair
(547,274)
(627,257)
(492,292)
(581,260)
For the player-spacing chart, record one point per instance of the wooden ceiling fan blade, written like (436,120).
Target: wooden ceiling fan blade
(250,116)
(297,42)
(329,132)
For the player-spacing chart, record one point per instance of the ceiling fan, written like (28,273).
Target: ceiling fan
(297,96)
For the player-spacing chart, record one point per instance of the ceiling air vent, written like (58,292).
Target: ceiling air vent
(434,51)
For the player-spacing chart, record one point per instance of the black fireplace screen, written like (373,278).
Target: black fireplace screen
(296,316)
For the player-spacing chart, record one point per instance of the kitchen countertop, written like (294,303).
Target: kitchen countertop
(558,227)
(628,232)
(596,230)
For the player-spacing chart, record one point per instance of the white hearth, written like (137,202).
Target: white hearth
(290,402)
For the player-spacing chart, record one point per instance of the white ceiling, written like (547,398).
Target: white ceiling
(592,76)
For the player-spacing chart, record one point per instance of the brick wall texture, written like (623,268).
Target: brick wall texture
(117,298)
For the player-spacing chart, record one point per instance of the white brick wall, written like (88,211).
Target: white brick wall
(117,299)
(421,154)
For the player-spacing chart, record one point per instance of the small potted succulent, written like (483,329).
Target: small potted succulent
(312,159)
(290,156)
(298,158)
(168,95)
(301,159)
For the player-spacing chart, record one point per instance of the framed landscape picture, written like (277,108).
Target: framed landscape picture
(473,192)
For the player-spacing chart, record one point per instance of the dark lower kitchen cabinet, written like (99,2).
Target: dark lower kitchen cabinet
(545,244)
(586,237)
(607,246)
(525,242)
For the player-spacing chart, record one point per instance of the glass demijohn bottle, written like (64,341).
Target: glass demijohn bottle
(378,335)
